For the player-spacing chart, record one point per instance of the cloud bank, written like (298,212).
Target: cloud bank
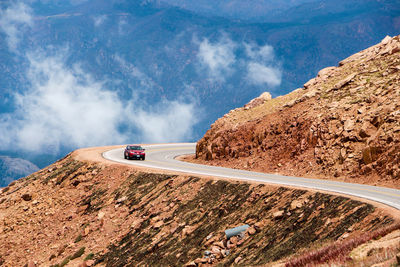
(262,68)
(66,108)
(217,58)
(219,61)
(13,21)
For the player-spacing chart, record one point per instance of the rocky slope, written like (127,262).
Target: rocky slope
(344,124)
(87,212)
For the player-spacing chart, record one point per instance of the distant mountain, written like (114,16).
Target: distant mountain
(86,73)
(14,168)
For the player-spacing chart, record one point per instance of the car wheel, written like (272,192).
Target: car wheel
(125,156)
(143,158)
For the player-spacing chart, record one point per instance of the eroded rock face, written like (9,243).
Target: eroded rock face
(344,123)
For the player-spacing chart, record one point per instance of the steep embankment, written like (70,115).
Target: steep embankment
(344,124)
(82,208)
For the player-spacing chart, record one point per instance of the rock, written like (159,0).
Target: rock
(265,96)
(251,231)
(158,224)
(122,199)
(386,40)
(345,235)
(369,155)
(86,231)
(309,83)
(326,72)
(367,130)
(349,125)
(296,204)
(234,239)
(215,250)
(90,263)
(200,260)
(398,258)
(278,214)
(259,226)
(83,264)
(230,245)
(190,264)
(238,259)
(31,264)
(100,215)
(258,100)
(220,244)
(26,197)
(224,252)
(136,224)
(345,81)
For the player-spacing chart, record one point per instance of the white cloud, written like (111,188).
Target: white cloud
(13,21)
(259,74)
(262,68)
(172,121)
(66,108)
(217,58)
(264,53)
(99,20)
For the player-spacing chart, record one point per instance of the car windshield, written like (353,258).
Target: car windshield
(135,148)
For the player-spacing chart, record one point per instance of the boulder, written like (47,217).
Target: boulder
(238,259)
(251,231)
(278,214)
(386,40)
(258,100)
(344,82)
(349,125)
(26,197)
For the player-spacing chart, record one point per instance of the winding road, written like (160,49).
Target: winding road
(163,157)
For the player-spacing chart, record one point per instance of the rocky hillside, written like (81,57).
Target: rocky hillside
(86,213)
(344,124)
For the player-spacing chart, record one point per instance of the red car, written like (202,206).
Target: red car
(134,152)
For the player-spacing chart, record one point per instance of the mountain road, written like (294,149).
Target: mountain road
(163,156)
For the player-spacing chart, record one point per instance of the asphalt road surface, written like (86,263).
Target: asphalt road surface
(163,157)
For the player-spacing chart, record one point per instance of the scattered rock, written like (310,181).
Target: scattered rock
(278,214)
(26,197)
(158,224)
(238,259)
(121,200)
(258,100)
(251,231)
(234,240)
(100,215)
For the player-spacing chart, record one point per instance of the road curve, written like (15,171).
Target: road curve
(163,157)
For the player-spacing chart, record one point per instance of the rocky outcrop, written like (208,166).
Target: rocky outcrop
(344,123)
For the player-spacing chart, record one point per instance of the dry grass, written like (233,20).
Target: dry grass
(339,251)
